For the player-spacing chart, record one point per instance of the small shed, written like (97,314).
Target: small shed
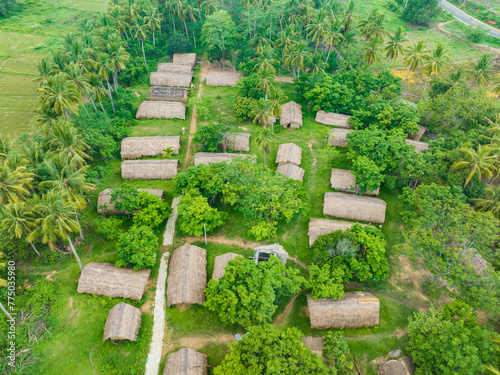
(318,227)
(220,264)
(291,171)
(161,110)
(289,153)
(262,253)
(354,207)
(419,146)
(474,259)
(140,147)
(291,115)
(105,207)
(174,68)
(171,94)
(186,362)
(338,137)
(123,323)
(105,279)
(170,79)
(402,366)
(344,180)
(238,141)
(223,79)
(149,169)
(184,59)
(354,310)
(215,157)
(187,277)
(419,134)
(333,119)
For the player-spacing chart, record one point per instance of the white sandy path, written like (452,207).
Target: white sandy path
(168,236)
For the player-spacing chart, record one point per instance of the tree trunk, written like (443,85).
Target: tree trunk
(194,38)
(328,55)
(115,80)
(426,82)
(173,22)
(81,234)
(186,28)
(6,312)
(144,55)
(74,252)
(111,97)
(105,114)
(154,41)
(403,85)
(36,251)
(264,156)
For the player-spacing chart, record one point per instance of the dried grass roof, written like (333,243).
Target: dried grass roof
(186,362)
(139,147)
(419,134)
(105,207)
(291,171)
(354,207)
(149,169)
(403,366)
(187,277)
(291,114)
(275,249)
(239,142)
(105,279)
(289,153)
(171,79)
(354,310)
(123,323)
(314,343)
(215,157)
(161,110)
(223,78)
(344,180)
(318,227)
(419,146)
(176,94)
(475,260)
(338,137)
(333,119)
(174,68)
(220,264)
(184,59)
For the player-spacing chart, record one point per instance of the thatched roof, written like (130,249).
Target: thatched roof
(187,279)
(174,68)
(174,94)
(170,79)
(337,137)
(239,141)
(139,147)
(354,310)
(186,362)
(314,343)
(403,366)
(354,207)
(149,169)
(161,110)
(344,180)
(184,59)
(419,146)
(291,115)
(105,279)
(419,134)
(289,153)
(220,264)
(291,171)
(333,119)
(223,78)
(215,157)
(475,260)
(123,323)
(262,253)
(318,227)
(105,207)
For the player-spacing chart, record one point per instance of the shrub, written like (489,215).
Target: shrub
(178,43)
(108,228)
(137,248)
(475,35)
(243,107)
(152,210)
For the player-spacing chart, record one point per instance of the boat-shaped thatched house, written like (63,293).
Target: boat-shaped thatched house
(419,146)
(123,323)
(104,279)
(220,263)
(291,115)
(338,137)
(169,94)
(174,68)
(187,277)
(149,169)
(318,227)
(161,110)
(402,366)
(223,79)
(215,157)
(344,180)
(105,207)
(354,207)
(170,79)
(186,362)
(289,153)
(333,119)
(239,142)
(354,310)
(419,134)
(291,171)
(140,147)
(184,59)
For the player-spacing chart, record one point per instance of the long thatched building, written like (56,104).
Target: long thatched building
(223,79)
(215,157)
(187,279)
(289,153)
(419,146)
(354,310)
(105,207)
(338,137)
(354,207)
(318,227)
(140,147)
(333,119)
(186,362)
(344,180)
(170,94)
(149,169)
(105,279)
(174,68)
(239,142)
(291,171)
(184,59)
(220,263)
(291,115)
(170,79)
(123,323)
(161,110)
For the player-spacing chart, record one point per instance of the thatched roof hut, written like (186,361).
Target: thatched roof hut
(172,94)
(344,180)
(314,343)
(105,207)
(187,279)
(223,78)
(184,59)
(354,310)
(174,68)
(291,171)
(220,264)
(333,119)
(262,253)
(139,147)
(291,115)
(338,137)
(161,110)
(318,227)
(403,366)
(475,260)
(419,146)
(238,141)
(354,207)
(289,153)
(149,169)
(186,362)
(170,79)
(215,157)
(105,279)
(419,134)
(123,323)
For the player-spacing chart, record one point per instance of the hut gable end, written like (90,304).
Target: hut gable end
(338,137)
(291,115)
(123,323)
(170,79)
(186,362)
(291,171)
(289,153)
(238,141)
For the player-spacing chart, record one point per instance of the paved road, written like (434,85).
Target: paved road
(467,19)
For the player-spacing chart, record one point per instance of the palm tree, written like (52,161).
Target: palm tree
(496,89)
(76,74)
(348,16)
(266,60)
(371,54)
(141,32)
(265,139)
(415,58)
(263,113)
(259,42)
(298,57)
(209,6)
(98,90)
(318,27)
(45,70)
(153,20)
(480,163)
(317,64)
(457,76)
(333,36)
(491,201)
(65,138)
(481,70)
(286,40)
(394,46)
(435,63)
(266,80)
(118,56)
(104,67)
(60,95)
(14,183)
(373,27)
(5,148)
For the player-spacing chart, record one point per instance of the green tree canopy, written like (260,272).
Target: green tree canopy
(137,248)
(219,34)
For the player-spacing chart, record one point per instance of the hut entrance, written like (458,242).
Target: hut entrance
(288,126)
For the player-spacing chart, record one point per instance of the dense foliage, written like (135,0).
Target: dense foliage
(137,248)
(420,12)
(337,354)
(7,7)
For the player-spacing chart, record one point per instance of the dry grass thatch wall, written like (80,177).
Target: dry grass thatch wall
(139,147)
(149,169)
(403,366)
(174,68)
(338,137)
(186,362)
(170,79)
(333,119)
(354,207)
(291,115)
(291,171)
(220,262)
(105,207)
(419,146)
(215,157)
(175,94)
(184,59)
(318,227)
(344,180)
(161,110)
(123,323)
(239,142)
(223,79)
(289,153)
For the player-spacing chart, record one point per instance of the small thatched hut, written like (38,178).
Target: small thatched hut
(123,323)
(333,119)
(171,94)
(187,279)
(215,157)
(419,134)
(291,171)
(140,147)
(291,115)
(318,227)
(161,110)
(354,310)
(475,260)
(105,279)
(338,137)
(354,207)
(220,264)
(344,180)
(149,169)
(184,59)
(174,68)
(238,141)
(262,253)
(402,366)
(223,78)
(289,153)
(186,362)
(419,146)
(170,79)
(105,207)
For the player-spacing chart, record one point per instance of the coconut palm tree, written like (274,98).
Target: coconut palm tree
(104,68)
(481,70)
(141,31)
(265,139)
(480,163)
(394,46)
(457,76)
(435,63)
(209,7)
(14,183)
(76,74)
(348,16)
(266,80)
(286,40)
(153,20)
(333,36)
(317,64)
(371,54)
(373,26)
(491,201)
(259,42)
(263,113)
(298,56)
(98,90)
(60,95)
(45,70)
(65,138)
(415,58)
(266,60)
(5,148)
(317,28)
(118,56)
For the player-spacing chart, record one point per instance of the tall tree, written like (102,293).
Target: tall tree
(265,139)
(219,35)
(141,31)
(479,163)
(60,95)
(65,138)
(14,183)
(394,46)
(435,63)
(481,70)
(415,58)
